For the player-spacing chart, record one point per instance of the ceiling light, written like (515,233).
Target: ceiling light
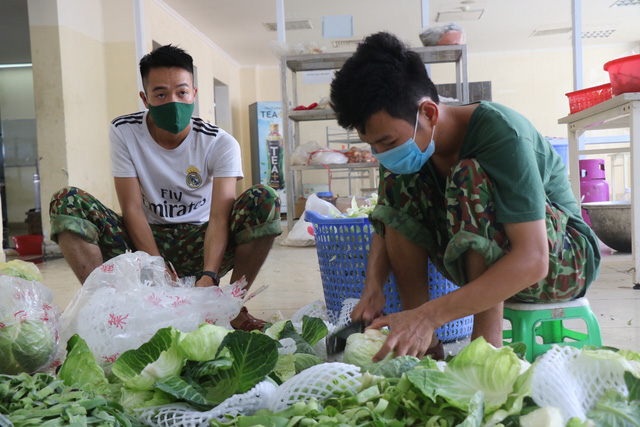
(550,32)
(467,15)
(597,34)
(626,3)
(25,65)
(290,25)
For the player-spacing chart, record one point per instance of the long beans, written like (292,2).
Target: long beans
(42,400)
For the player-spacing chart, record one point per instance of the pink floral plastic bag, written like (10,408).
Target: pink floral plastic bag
(128,298)
(28,326)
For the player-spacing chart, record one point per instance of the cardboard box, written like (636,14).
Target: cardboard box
(299,207)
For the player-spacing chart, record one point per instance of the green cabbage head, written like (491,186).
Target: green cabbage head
(361,348)
(25,346)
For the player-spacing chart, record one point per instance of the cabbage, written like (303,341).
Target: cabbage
(361,348)
(25,346)
(156,359)
(201,345)
(25,270)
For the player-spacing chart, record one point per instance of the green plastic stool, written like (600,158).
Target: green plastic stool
(529,321)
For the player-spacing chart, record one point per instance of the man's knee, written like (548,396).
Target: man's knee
(60,198)
(260,201)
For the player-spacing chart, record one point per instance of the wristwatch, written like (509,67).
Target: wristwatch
(214,276)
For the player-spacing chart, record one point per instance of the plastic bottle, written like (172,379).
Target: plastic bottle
(275,157)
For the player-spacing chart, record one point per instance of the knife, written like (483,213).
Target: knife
(337,341)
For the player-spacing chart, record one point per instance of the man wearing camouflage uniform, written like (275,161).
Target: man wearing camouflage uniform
(475,188)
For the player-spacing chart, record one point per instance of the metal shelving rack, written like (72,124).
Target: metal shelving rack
(291,65)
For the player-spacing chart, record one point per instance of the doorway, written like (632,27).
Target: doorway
(222,106)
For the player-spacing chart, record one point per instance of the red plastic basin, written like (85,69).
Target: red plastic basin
(624,74)
(29,244)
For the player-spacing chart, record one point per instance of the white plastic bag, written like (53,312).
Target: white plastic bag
(28,325)
(301,153)
(302,232)
(128,298)
(448,34)
(326,156)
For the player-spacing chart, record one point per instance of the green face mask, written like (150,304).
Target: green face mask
(173,117)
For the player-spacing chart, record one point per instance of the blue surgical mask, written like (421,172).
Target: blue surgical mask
(406,158)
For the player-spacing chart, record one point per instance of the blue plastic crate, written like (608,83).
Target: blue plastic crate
(343,250)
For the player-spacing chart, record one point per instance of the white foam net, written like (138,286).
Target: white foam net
(315,309)
(124,302)
(319,382)
(345,312)
(574,380)
(183,415)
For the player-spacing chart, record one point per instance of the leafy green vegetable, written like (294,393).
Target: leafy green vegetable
(361,347)
(254,357)
(304,361)
(614,410)
(156,359)
(394,368)
(202,344)
(133,399)
(313,329)
(42,400)
(478,367)
(182,390)
(25,270)
(80,369)
(302,346)
(285,367)
(25,346)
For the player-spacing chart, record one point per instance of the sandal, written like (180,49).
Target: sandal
(251,323)
(436,352)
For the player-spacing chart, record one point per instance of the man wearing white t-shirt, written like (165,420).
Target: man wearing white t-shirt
(175,177)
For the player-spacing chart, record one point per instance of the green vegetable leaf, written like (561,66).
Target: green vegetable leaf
(313,329)
(302,346)
(633,384)
(286,367)
(304,361)
(519,348)
(198,370)
(476,411)
(202,344)
(25,270)
(478,367)
(25,346)
(613,410)
(156,359)
(394,368)
(80,369)
(181,389)
(254,357)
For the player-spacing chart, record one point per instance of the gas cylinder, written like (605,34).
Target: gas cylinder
(593,183)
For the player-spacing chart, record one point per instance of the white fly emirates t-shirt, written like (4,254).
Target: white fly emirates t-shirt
(176,184)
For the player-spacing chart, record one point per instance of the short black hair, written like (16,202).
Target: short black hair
(165,56)
(383,74)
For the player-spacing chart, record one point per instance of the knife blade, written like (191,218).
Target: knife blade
(337,341)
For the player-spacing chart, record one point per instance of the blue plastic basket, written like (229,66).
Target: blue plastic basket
(343,250)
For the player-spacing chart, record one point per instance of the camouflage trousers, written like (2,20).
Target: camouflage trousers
(255,214)
(464,218)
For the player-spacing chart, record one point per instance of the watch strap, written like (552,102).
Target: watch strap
(213,275)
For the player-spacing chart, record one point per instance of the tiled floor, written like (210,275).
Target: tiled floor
(293,278)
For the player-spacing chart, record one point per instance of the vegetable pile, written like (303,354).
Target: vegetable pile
(42,400)
(185,378)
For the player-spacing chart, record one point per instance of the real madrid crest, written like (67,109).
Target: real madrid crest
(194,180)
